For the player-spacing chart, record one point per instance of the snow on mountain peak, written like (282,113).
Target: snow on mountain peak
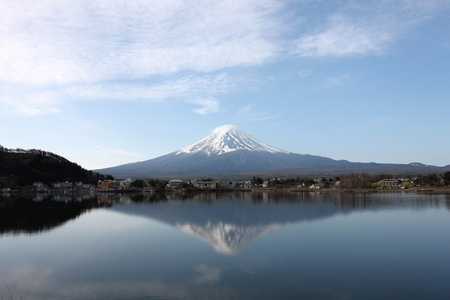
(221,130)
(228,138)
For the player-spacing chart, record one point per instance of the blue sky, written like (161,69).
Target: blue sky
(104,83)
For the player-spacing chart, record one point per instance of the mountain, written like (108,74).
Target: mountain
(226,139)
(20,167)
(230,152)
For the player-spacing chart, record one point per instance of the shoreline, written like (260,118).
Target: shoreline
(424,190)
(418,190)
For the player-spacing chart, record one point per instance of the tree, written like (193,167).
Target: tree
(446,178)
(430,179)
(376,185)
(257,180)
(138,184)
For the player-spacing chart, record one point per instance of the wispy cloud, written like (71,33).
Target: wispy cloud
(28,101)
(181,87)
(362,29)
(105,151)
(304,73)
(57,51)
(336,81)
(86,47)
(207,105)
(249,113)
(61,42)
(343,37)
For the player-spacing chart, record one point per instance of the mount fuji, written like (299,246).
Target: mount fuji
(230,152)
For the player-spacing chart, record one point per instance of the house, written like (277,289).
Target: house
(104,184)
(390,183)
(317,186)
(63,185)
(174,184)
(115,185)
(205,184)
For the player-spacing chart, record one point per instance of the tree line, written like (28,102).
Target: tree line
(354,180)
(18,169)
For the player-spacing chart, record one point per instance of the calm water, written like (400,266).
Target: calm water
(226,246)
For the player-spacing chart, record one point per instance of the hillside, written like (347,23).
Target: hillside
(20,167)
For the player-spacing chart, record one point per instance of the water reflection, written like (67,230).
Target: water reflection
(36,213)
(236,220)
(255,246)
(233,222)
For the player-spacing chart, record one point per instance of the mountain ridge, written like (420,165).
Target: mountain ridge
(230,152)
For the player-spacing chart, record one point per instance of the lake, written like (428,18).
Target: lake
(225,246)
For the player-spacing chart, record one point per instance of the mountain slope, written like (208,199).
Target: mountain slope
(229,152)
(226,139)
(20,167)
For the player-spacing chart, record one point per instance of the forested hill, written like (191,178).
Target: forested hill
(20,167)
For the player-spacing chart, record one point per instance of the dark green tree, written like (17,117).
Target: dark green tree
(138,184)
(446,178)
(257,180)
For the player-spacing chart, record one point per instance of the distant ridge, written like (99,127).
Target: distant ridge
(229,152)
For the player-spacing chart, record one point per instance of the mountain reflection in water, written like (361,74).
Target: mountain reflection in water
(229,222)
(226,221)
(255,245)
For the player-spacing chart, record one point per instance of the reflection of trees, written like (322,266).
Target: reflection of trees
(40,212)
(23,215)
(354,201)
(109,199)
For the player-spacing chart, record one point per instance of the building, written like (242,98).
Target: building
(115,185)
(205,184)
(104,184)
(174,184)
(63,185)
(390,183)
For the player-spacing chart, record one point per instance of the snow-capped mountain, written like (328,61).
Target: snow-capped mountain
(226,139)
(230,152)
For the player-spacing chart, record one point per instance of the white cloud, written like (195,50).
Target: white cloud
(336,81)
(244,110)
(207,105)
(304,73)
(248,113)
(358,29)
(57,51)
(342,37)
(105,151)
(27,101)
(55,42)
(83,48)
(34,100)
(182,87)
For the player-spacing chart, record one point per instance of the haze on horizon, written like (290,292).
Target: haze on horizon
(105,83)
